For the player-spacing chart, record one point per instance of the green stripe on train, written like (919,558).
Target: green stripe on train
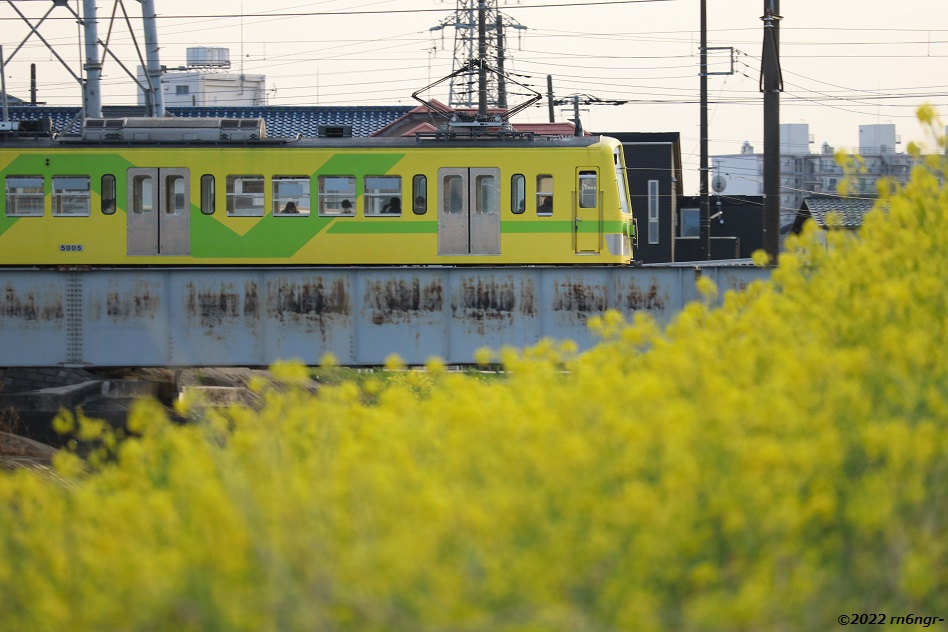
(558,226)
(391,226)
(537,226)
(282,236)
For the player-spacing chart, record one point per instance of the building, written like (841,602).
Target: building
(832,212)
(803,173)
(206,82)
(737,227)
(653,165)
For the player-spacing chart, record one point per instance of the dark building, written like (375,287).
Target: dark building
(737,227)
(653,163)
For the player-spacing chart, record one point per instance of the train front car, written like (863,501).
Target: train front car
(217,192)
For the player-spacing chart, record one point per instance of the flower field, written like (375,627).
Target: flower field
(771,460)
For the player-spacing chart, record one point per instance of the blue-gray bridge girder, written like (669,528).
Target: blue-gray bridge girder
(199,316)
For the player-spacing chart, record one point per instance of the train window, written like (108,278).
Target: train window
(291,196)
(485,200)
(453,194)
(175,204)
(588,189)
(24,196)
(419,194)
(518,196)
(142,195)
(107,194)
(383,195)
(619,158)
(336,195)
(208,196)
(544,194)
(71,196)
(245,196)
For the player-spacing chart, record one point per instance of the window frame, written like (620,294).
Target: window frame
(142,203)
(622,180)
(452,185)
(175,201)
(518,193)
(544,194)
(325,197)
(486,194)
(691,211)
(376,199)
(257,199)
(107,203)
(303,202)
(13,200)
(582,196)
(653,211)
(208,194)
(80,198)
(419,194)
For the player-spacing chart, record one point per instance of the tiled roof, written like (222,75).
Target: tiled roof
(65,119)
(281,121)
(850,211)
(293,120)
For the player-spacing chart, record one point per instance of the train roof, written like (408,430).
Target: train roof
(251,132)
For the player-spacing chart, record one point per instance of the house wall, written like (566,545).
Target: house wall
(653,168)
(737,227)
(203,89)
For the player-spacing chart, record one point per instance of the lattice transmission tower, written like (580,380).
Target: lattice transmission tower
(464,88)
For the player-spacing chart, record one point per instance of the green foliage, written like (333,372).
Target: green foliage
(768,464)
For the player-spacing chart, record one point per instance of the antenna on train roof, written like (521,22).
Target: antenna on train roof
(483,118)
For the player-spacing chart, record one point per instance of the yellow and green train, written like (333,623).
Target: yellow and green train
(219,192)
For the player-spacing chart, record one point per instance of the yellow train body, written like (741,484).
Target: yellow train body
(326,202)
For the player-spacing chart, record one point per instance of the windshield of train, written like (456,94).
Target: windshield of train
(619,159)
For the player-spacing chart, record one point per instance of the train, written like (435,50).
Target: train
(220,192)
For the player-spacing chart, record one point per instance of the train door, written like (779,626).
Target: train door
(469,211)
(158,212)
(587,212)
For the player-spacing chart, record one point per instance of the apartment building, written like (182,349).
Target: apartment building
(803,172)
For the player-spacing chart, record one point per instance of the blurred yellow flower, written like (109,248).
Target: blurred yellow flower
(770,459)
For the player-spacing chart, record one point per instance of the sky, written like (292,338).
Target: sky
(845,63)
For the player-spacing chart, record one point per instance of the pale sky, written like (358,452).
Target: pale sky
(845,62)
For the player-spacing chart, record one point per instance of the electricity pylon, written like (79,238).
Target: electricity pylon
(464,88)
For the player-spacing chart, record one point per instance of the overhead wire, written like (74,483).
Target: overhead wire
(396,56)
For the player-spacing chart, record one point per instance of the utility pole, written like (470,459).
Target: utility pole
(771,84)
(577,122)
(3,87)
(704,224)
(549,96)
